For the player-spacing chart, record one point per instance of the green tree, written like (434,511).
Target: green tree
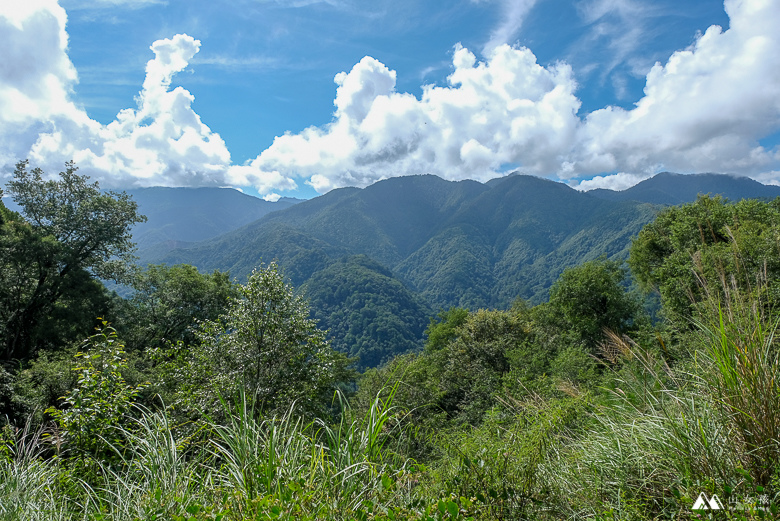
(696,245)
(474,363)
(169,302)
(91,412)
(444,328)
(588,299)
(72,234)
(267,346)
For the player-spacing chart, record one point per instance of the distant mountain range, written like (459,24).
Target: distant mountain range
(179,217)
(377,262)
(668,189)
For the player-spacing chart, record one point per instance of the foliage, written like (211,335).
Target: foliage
(73,232)
(571,409)
(591,298)
(266,346)
(498,461)
(368,313)
(169,302)
(741,361)
(703,241)
(444,330)
(97,405)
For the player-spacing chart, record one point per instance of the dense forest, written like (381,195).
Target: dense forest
(631,391)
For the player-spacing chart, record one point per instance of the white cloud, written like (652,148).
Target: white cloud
(506,110)
(160,142)
(622,24)
(704,110)
(768,178)
(36,76)
(513,15)
(619,181)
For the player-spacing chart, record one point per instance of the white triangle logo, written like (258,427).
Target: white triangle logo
(715,503)
(702,503)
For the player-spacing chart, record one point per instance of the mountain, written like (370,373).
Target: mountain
(455,243)
(377,262)
(669,189)
(179,217)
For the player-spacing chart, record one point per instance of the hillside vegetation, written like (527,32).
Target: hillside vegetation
(447,244)
(200,398)
(455,243)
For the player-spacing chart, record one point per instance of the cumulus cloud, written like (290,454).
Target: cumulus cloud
(619,181)
(160,142)
(704,110)
(36,76)
(508,109)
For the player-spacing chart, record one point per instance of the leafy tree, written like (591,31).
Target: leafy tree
(706,241)
(267,346)
(72,233)
(169,302)
(442,331)
(587,299)
(475,362)
(460,374)
(97,405)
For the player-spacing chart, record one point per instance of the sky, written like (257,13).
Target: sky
(298,97)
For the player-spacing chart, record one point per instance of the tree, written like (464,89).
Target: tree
(169,302)
(444,330)
(72,234)
(709,242)
(473,364)
(101,399)
(267,346)
(587,299)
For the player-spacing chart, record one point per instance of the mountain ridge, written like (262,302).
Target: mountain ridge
(669,188)
(410,246)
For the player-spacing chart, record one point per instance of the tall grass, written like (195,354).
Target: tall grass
(249,467)
(28,480)
(312,467)
(654,443)
(159,475)
(741,369)
(662,435)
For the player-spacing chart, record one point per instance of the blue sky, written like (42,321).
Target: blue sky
(296,97)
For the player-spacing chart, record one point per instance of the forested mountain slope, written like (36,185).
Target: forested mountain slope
(456,243)
(398,251)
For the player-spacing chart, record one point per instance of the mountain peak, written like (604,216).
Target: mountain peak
(669,188)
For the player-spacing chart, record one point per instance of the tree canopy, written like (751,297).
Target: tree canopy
(71,234)
(266,346)
(708,242)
